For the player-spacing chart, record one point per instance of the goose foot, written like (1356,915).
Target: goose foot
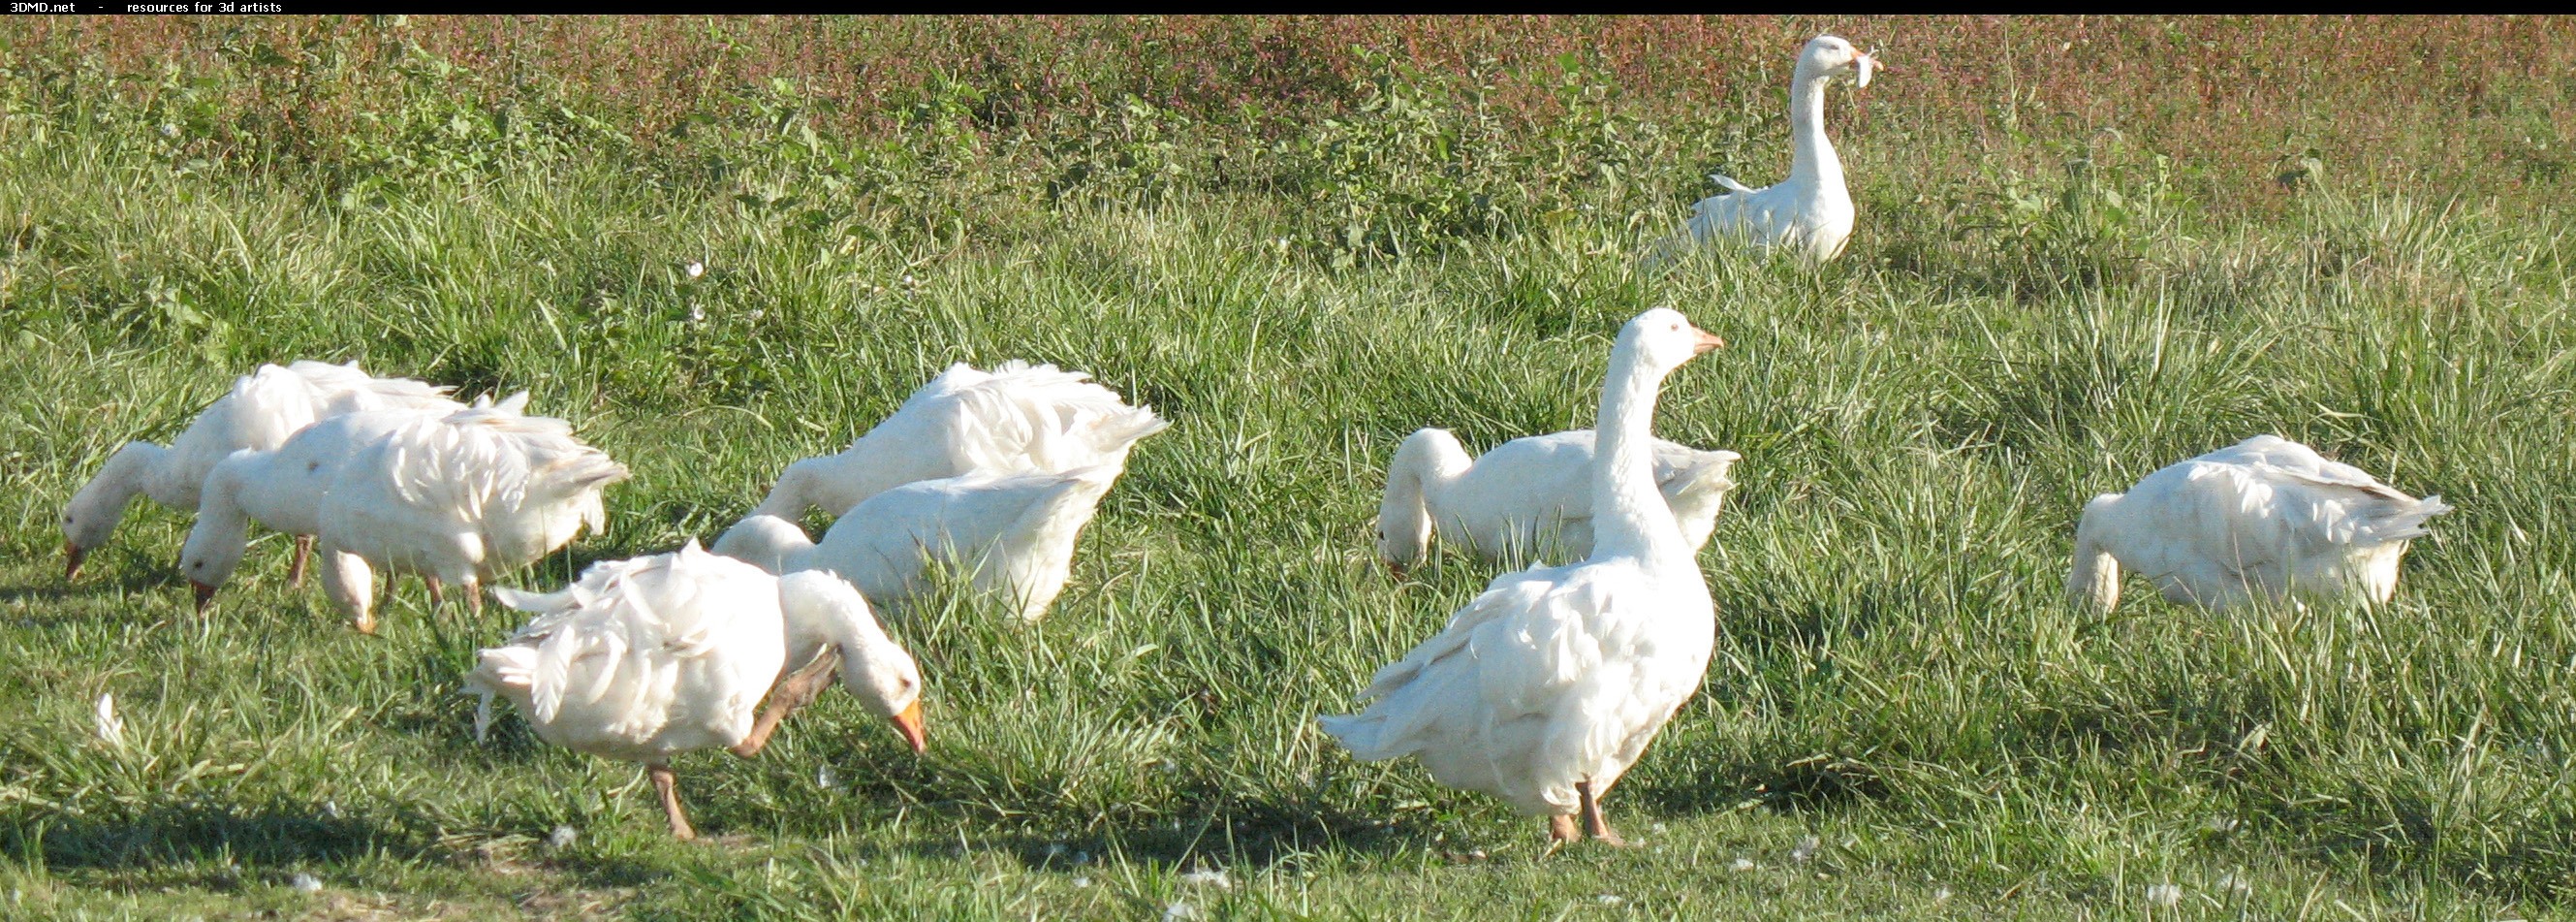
(667,783)
(797,690)
(1593,821)
(1561,829)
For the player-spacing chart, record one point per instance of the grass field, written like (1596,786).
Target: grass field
(1904,720)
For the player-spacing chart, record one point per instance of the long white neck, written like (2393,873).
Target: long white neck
(100,504)
(1426,463)
(1812,161)
(1629,517)
(2094,580)
(821,611)
(222,531)
(768,542)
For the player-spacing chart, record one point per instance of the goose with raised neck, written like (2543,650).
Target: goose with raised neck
(1546,687)
(1810,213)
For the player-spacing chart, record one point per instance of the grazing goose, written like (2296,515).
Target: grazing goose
(260,412)
(1809,213)
(458,499)
(2266,518)
(1528,495)
(1010,533)
(283,489)
(647,658)
(1014,419)
(1546,687)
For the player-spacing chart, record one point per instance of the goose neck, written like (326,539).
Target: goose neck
(1629,515)
(1812,160)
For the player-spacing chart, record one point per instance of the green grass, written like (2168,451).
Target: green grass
(1898,678)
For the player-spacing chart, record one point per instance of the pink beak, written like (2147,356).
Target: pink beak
(1706,341)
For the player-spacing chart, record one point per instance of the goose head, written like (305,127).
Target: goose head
(1662,339)
(79,535)
(94,511)
(874,668)
(1828,56)
(208,561)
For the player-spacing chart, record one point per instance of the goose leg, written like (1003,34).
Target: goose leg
(474,597)
(668,784)
(1593,822)
(1561,829)
(797,690)
(437,597)
(303,557)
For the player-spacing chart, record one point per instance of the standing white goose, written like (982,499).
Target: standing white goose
(647,658)
(283,488)
(2266,518)
(1810,213)
(1546,687)
(260,412)
(1015,419)
(1527,495)
(1011,533)
(458,499)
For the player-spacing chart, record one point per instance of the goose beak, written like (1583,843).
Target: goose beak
(1705,341)
(205,595)
(73,554)
(908,723)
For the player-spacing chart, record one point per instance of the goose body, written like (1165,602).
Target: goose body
(2266,518)
(1017,418)
(1810,213)
(283,488)
(1546,687)
(647,658)
(261,410)
(1008,533)
(1528,496)
(457,500)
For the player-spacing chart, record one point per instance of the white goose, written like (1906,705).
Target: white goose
(1527,495)
(261,410)
(1010,533)
(1017,418)
(458,499)
(1546,687)
(1810,213)
(2265,518)
(283,488)
(647,658)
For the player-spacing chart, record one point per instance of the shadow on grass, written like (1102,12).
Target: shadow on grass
(130,580)
(178,834)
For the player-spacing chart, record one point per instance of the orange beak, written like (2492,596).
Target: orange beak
(1706,341)
(73,554)
(205,595)
(908,723)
